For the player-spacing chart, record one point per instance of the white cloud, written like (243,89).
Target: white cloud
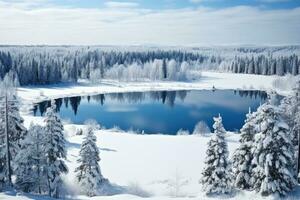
(119,26)
(23,3)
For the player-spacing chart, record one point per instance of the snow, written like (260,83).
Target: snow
(144,165)
(146,162)
(150,161)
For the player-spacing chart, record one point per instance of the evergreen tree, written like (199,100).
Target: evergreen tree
(30,162)
(17,131)
(273,156)
(217,174)
(55,150)
(290,107)
(12,131)
(88,173)
(164,69)
(74,71)
(3,152)
(295,118)
(242,157)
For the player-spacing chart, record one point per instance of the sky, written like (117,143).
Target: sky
(150,22)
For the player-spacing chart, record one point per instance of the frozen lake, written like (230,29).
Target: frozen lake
(159,111)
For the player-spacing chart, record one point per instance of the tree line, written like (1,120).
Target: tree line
(46,65)
(264,64)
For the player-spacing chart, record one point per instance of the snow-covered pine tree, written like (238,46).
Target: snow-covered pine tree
(30,162)
(164,69)
(55,150)
(88,172)
(296,131)
(273,154)
(12,131)
(296,124)
(17,131)
(217,173)
(242,157)
(3,151)
(290,107)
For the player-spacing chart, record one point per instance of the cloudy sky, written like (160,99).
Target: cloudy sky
(150,22)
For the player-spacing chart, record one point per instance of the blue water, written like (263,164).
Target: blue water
(159,112)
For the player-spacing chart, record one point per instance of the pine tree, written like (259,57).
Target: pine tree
(289,110)
(55,150)
(88,173)
(17,131)
(242,157)
(217,174)
(30,162)
(295,117)
(290,107)
(273,156)
(3,153)
(12,131)
(164,69)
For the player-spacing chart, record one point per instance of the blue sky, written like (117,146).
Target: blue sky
(161,22)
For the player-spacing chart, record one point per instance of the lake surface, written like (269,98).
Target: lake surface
(159,111)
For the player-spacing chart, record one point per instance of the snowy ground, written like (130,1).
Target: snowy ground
(148,165)
(145,165)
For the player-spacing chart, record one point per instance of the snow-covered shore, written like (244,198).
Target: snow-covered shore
(145,165)
(207,81)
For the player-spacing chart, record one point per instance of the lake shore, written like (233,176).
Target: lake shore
(206,81)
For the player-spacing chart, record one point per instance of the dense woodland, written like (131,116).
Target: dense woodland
(54,64)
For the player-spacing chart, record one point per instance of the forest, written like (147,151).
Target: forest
(33,65)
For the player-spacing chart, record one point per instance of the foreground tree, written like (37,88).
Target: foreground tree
(273,155)
(242,157)
(12,131)
(54,150)
(291,111)
(88,173)
(296,128)
(30,162)
(217,174)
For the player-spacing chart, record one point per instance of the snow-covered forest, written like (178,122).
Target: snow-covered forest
(54,64)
